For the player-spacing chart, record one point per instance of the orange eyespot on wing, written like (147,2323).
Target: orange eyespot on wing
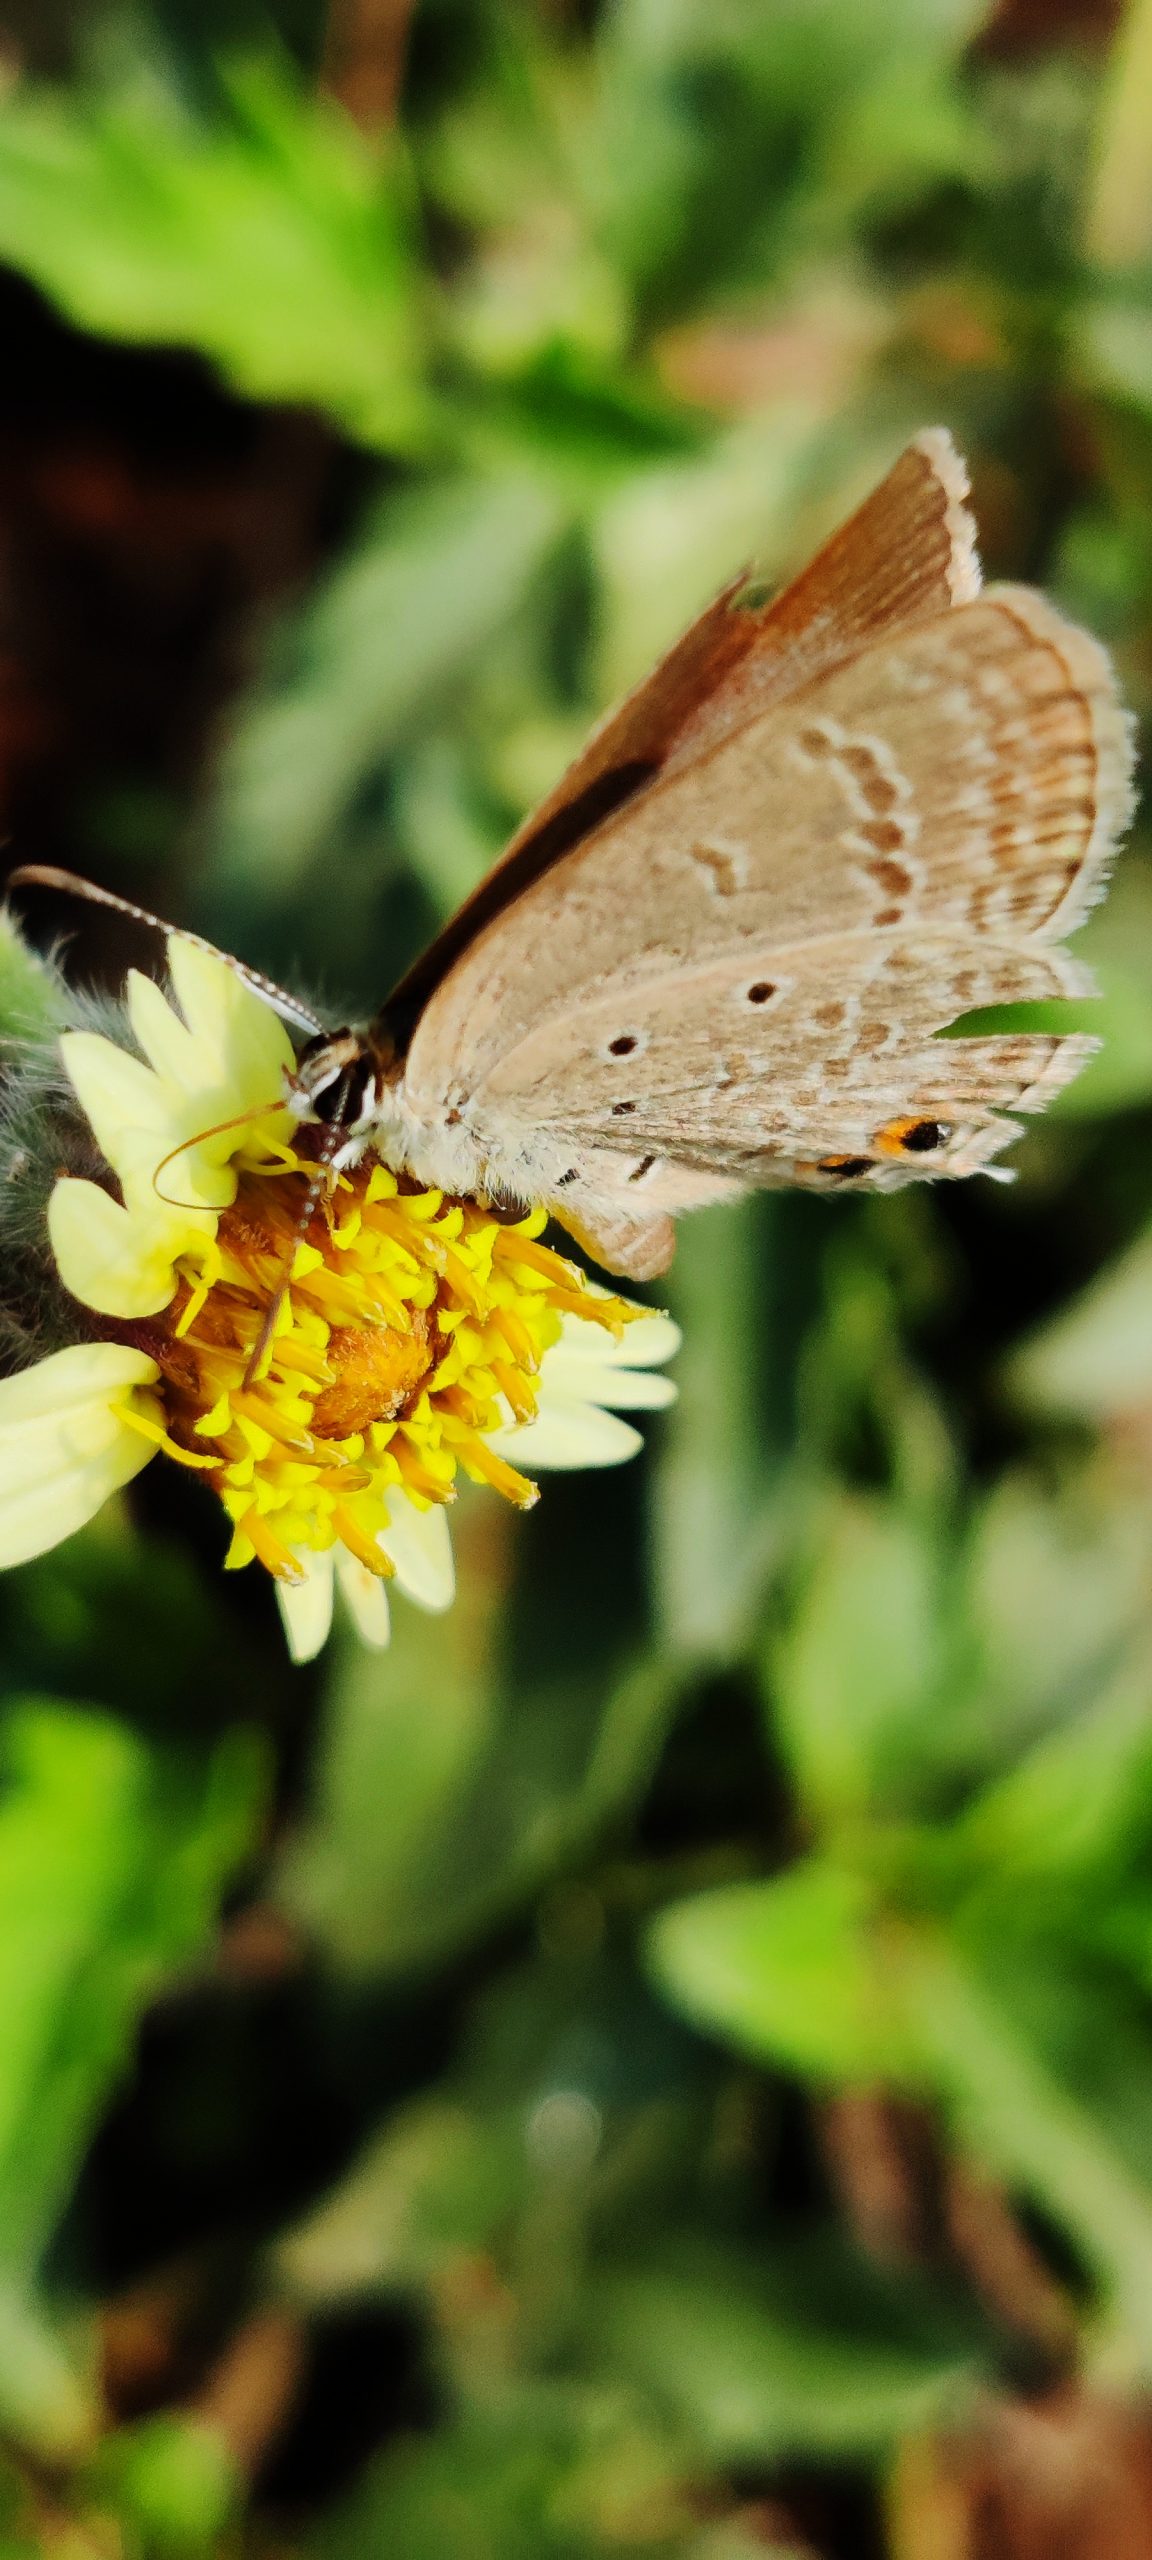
(912,1136)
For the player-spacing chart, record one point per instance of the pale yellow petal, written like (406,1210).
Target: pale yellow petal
(64,1446)
(592,1381)
(171,1129)
(568,1432)
(138,1119)
(419,1544)
(306,1607)
(122,1100)
(32,1523)
(167,1044)
(589,1367)
(366,1598)
(227,1072)
(240,1038)
(86,1373)
(121,1264)
(646,1343)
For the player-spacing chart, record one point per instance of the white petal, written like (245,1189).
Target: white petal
(420,1546)
(120,1263)
(306,1607)
(649,1341)
(597,1382)
(568,1432)
(63,1446)
(366,1597)
(646,1343)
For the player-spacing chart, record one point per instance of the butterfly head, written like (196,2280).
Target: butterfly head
(340,1079)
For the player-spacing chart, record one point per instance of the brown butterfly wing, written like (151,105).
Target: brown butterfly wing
(743,971)
(909,552)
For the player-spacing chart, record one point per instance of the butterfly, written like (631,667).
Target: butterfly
(720,954)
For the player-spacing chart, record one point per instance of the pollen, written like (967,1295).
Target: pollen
(316,1362)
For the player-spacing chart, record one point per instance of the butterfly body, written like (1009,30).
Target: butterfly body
(352,1083)
(723,952)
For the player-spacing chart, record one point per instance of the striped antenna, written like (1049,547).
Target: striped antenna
(44,875)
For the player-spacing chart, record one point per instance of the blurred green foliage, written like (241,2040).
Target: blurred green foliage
(669,2039)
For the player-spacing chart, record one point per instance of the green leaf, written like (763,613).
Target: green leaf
(1094,1360)
(440,2179)
(1119,226)
(1112,345)
(860,1667)
(30,996)
(585,425)
(272,240)
(711,1522)
(438,571)
(112,1858)
(48,2391)
(567,2472)
(802,1973)
(1056,1599)
(173,2484)
(797,1972)
(719,128)
(1028,2120)
(491,1784)
(808,2353)
(1074,1811)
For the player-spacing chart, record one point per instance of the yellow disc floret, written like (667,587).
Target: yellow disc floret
(310,1371)
(329,1353)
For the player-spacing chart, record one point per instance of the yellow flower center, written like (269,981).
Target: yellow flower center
(411,1328)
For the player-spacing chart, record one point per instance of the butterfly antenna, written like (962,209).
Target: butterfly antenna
(45,875)
(322,1177)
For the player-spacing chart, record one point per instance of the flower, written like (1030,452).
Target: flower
(331,1353)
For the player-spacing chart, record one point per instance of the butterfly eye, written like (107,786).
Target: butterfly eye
(913,1137)
(335,1077)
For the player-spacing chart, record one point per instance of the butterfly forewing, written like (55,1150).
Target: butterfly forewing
(743,971)
(908,553)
